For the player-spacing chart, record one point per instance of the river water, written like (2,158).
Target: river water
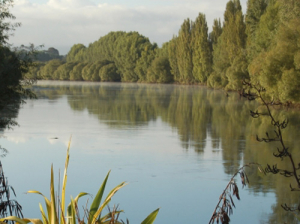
(176,147)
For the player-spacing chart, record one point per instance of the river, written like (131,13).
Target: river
(176,146)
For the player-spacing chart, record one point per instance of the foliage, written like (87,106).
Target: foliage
(109,73)
(48,55)
(223,211)
(260,46)
(283,151)
(8,206)
(56,212)
(184,53)
(16,68)
(6,28)
(229,55)
(201,56)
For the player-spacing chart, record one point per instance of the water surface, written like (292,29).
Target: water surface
(176,146)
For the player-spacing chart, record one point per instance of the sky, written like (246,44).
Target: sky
(63,23)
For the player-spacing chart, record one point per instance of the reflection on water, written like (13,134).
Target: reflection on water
(202,119)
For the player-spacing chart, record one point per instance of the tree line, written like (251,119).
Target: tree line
(261,46)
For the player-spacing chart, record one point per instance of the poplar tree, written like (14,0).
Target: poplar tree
(172,53)
(229,56)
(184,53)
(215,33)
(255,9)
(276,65)
(201,54)
(264,42)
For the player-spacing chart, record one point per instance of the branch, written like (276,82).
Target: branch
(222,212)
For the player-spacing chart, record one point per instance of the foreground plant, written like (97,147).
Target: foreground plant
(283,151)
(7,205)
(226,204)
(56,213)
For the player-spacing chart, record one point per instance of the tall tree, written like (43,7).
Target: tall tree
(264,41)
(201,53)
(215,33)
(184,53)
(229,57)
(172,54)
(14,67)
(255,9)
(276,65)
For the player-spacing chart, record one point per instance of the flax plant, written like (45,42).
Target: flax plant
(57,214)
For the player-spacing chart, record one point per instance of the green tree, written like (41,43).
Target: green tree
(144,62)
(215,33)
(201,53)
(160,71)
(230,50)
(16,70)
(184,53)
(109,73)
(76,73)
(172,53)
(76,49)
(255,9)
(63,71)
(47,71)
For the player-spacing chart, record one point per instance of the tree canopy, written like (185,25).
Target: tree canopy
(259,46)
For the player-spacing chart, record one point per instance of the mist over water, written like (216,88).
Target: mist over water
(176,146)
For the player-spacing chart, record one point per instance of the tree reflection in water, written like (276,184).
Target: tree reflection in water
(197,114)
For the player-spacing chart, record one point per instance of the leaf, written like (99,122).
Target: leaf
(107,200)
(106,218)
(34,221)
(150,218)
(63,191)
(96,202)
(231,201)
(13,218)
(72,215)
(53,219)
(47,202)
(45,220)
(70,209)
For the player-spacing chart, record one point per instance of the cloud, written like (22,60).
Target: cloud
(63,23)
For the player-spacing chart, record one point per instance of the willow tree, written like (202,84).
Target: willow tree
(144,62)
(47,71)
(76,49)
(76,73)
(63,71)
(109,73)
